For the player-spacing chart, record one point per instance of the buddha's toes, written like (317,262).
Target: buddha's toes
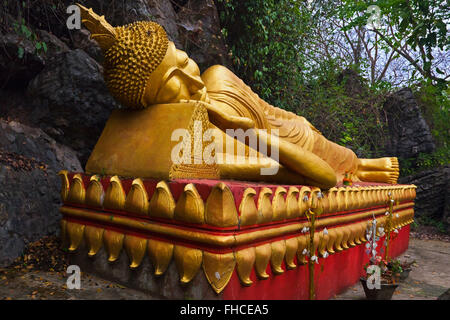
(381,164)
(394,163)
(379,170)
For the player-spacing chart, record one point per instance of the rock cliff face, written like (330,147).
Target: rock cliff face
(432,200)
(54,102)
(409,132)
(29,198)
(410,135)
(70,101)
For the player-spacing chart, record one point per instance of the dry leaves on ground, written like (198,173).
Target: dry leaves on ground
(19,162)
(44,254)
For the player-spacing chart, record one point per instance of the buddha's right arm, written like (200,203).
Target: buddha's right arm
(315,170)
(225,121)
(296,159)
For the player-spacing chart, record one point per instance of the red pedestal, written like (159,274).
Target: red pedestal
(332,275)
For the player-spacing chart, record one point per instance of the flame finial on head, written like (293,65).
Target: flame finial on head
(101,30)
(132,52)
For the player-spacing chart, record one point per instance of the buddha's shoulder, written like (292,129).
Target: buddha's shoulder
(218,72)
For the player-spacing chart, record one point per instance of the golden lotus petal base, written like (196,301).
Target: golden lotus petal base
(258,231)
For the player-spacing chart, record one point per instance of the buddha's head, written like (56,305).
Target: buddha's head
(142,67)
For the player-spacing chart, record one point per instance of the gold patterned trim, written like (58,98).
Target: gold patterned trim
(190,207)
(77,192)
(218,269)
(95,193)
(63,174)
(162,204)
(248,209)
(265,210)
(137,199)
(115,195)
(217,240)
(220,209)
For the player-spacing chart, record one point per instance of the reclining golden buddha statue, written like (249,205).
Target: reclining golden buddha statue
(161,89)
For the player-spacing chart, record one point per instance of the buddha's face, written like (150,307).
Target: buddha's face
(176,78)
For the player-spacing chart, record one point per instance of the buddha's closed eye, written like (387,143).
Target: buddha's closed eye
(170,90)
(182,59)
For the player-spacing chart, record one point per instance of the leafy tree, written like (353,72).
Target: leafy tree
(266,39)
(319,59)
(415,29)
(293,57)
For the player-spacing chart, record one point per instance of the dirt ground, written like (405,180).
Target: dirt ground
(429,278)
(50,285)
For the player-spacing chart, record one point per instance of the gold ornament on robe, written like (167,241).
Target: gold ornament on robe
(144,70)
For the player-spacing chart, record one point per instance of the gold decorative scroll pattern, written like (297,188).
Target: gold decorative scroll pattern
(241,245)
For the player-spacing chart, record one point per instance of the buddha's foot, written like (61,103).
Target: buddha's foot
(378,170)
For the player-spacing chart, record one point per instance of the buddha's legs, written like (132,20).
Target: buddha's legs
(343,161)
(302,147)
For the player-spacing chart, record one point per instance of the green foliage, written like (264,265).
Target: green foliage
(435,107)
(20,52)
(23,30)
(431,221)
(425,161)
(352,119)
(265,38)
(270,42)
(420,25)
(41,45)
(430,160)
(395,266)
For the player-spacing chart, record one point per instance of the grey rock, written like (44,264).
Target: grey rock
(445,295)
(17,69)
(163,13)
(200,35)
(29,198)
(70,101)
(81,39)
(432,193)
(408,131)
(54,45)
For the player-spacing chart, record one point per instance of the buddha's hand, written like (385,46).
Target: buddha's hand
(225,121)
